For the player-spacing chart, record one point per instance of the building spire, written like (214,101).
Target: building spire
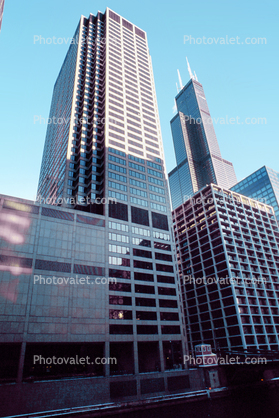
(192,76)
(189,69)
(180,81)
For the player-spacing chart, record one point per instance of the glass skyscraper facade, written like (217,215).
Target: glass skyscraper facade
(198,157)
(262,185)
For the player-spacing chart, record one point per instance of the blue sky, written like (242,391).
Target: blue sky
(240,80)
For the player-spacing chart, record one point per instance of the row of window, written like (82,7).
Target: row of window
(142,315)
(140,288)
(148,302)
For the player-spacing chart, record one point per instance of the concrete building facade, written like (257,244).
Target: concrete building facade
(61,298)
(228,255)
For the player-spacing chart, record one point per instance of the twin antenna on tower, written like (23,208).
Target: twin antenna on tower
(192,76)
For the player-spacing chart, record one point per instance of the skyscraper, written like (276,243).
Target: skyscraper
(104,108)
(198,157)
(106,156)
(262,185)
(228,256)
(103,154)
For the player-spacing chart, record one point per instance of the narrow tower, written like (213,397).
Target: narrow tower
(198,156)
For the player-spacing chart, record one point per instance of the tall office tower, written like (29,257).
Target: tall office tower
(116,155)
(262,185)
(104,110)
(198,157)
(228,251)
(1,11)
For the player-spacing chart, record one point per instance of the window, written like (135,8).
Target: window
(118,226)
(157,198)
(142,253)
(162,246)
(139,216)
(120,300)
(156,181)
(157,166)
(120,314)
(116,159)
(165,279)
(137,175)
(146,316)
(156,206)
(139,160)
(167,303)
(156,189)
(145,302)
(147,329)
(119,249)
(159,221)
(120,287)
(138,183)
(136,166)
(170,291)
(162,256)
(141,242)
(117,177)
(117,186)
(117,168)
(121,329)
(160,235)
(138,192)
(142,265)
(120,274)
(168,329)
(118,211)
(144,277)
(141,231)
(139,288)
(119,238)
(139,201)
(169,316)
(118,261)
(116,195)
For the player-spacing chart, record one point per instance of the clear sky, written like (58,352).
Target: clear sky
(240,78)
